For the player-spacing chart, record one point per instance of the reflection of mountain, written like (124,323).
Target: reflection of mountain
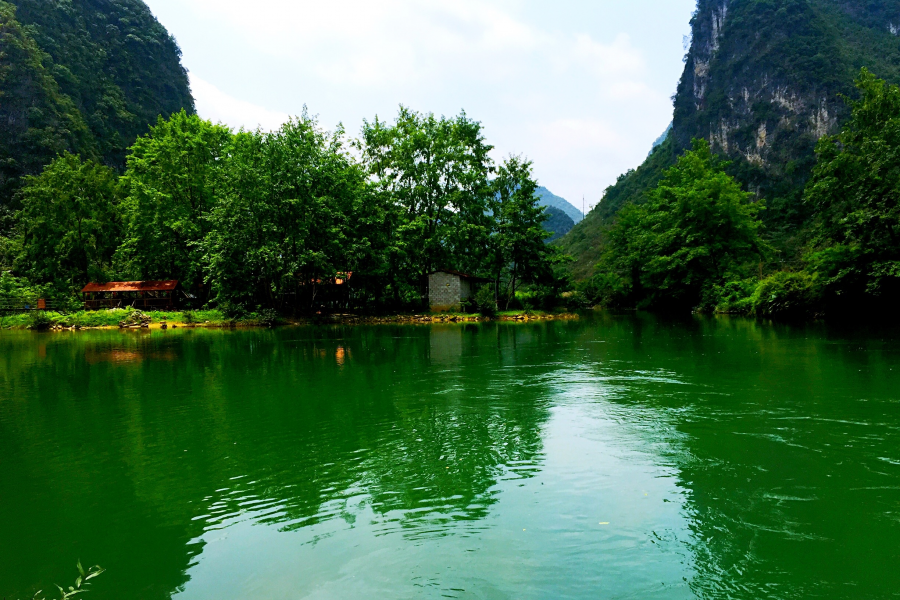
(281,424)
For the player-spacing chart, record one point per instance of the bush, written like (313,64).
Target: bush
(188,317)
(577,300)
(232,310)
(269,317)
(39,320)
(485,301)
(606,289)
(735,297)
(545,297)
(786,295)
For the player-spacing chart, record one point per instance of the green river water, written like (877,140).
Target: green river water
(610,457)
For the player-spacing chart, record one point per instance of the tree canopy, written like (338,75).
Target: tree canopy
(69,224)
(855,192)
(257,219)
(696,229)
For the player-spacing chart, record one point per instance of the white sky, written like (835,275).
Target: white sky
(582,88)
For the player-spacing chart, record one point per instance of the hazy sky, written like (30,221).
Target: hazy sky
(582,88)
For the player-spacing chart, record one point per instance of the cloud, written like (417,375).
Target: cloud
(580,100)
(217,106)
(616,58)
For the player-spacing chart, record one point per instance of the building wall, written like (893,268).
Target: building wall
(466,290)
(445,290)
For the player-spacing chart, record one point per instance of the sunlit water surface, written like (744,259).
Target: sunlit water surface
(612,457)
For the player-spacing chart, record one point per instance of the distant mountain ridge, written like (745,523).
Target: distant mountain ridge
(548,198)
(559,223)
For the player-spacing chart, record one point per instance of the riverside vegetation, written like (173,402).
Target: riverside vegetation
(251,220)
(258,221)
(750,221)
(695,240)
(247,221)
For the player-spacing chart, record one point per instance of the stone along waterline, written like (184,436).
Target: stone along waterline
(618,457)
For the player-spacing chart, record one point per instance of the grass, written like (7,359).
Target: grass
(209,318)
(112,318)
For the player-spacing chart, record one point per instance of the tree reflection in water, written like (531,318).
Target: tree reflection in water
(730,459)
(285,426)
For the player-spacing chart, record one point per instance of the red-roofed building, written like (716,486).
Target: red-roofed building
(144,295)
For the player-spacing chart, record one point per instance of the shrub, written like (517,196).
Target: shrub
(545,297)
(577,300)
(485,301)
(39,320)
(188,317)
(269,317)
(734,297)
(232,310)
(606,289)
(469,306)
(785,295)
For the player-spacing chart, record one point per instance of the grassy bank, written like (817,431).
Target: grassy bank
(112,318)
(215,318)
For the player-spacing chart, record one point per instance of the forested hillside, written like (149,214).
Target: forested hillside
(763,82)
(558,223)
(86,76)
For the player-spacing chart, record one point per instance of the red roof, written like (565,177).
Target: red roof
(131,286)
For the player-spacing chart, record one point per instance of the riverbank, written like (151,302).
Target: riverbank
(124,319)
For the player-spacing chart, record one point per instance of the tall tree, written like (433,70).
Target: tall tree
(855,191)
(295,212)
(695,230)
(437,170)
(68,223)
(172,184)
(518,252)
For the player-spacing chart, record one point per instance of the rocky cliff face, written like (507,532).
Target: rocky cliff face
(764,80)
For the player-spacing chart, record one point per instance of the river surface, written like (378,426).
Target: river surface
(611,457)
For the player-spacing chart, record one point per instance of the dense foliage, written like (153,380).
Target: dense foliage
(695,239)
(172,185)
(763,82)
(855,192)
(290,220)
(69,223)
(84,76)
(696,230)
(516,244)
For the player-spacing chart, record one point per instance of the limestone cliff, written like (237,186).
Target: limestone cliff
(763,81)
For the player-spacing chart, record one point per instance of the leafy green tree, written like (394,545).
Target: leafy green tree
(855,191)
(68,223)
(697,229)
(437,171)
(172,185)
(517,249)
(295,212)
